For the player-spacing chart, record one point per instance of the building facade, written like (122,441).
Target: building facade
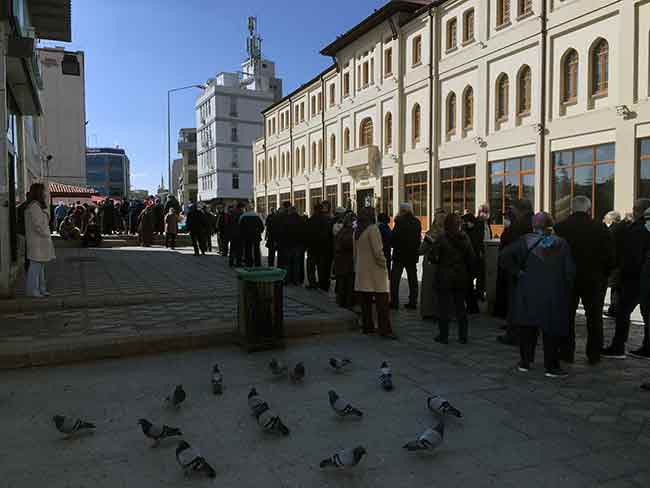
(187,182)
(177,171)
(63,96)
(108,172)
(463,102)
(228,118)
(22,160)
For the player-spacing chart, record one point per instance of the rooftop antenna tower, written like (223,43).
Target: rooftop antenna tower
(254,50)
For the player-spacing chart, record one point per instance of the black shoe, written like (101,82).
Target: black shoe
(441,340)
(612,352)
(641,353)
(410,306)
(390,335)
(463,340)
(556,373)
(523,367)
(645,386)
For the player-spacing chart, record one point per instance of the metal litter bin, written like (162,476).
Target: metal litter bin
(260,312)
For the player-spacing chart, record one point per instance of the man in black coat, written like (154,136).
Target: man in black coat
(320,247)
(251,227)
(407,236)
(234,236)
(271,237)
(196,225)
(632,247)
(222,221)
(593,251)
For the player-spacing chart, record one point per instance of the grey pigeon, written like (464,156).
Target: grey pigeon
(386,377)
(217,380)
(266,419)
(176,398)
(345,458)
(191,461)
(429,440)
(297,375)
(70,426)
(278,368)
(341,407)
(441,406)
(158,432)
(339,364)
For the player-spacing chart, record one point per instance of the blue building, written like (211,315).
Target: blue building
(108,171)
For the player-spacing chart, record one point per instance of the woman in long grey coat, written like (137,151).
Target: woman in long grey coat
(543,273)
(428,296)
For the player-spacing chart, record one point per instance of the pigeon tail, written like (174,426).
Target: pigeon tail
(283,429)
(209,470)
(329,462)
(414,446)
(451,410)
(172,431)
(356,411)
(86,425)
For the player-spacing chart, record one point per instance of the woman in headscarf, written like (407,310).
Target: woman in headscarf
(543,273)
(344,262)
(147,224)
(371,275)
(428,295)
(40,248)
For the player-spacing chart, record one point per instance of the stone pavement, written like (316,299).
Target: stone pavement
(124,301)
(519,430)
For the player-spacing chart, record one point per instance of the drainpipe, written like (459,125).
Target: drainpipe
(542,110)
(322,119)
(291,151)
(398,178)
(433,145)
(266,168)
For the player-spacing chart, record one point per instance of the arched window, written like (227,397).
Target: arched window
(570,65)
(451,113)
(525,92)
(503,93)
(319,157)
(332,149)
(388,129)
(600,68)
(296,161)
(416,124)
(468,108)
(303,159)
(346,139)
(365,132)
(282,168)
(313,155)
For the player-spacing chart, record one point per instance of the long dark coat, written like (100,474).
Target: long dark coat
(542,280)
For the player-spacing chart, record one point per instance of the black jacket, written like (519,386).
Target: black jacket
(454,257)
(196,222)
(251,227)
(407,235)
(319,233)
(292,230)
(592,248)
(632,247)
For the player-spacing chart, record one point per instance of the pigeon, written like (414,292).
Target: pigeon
(297,375)
(158,432)
(339,364)
(191,461)
(440,405)
(341,407)
(176,398)
(278,368)
(217,380)
(256,404)
(345,458)
(386,377)
(429,440)
(69,426)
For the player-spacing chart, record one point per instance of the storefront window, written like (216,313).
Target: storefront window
(345,190)
(315,198)
(331,195)
(387,195)
(300,202)
(587,171)
(510,180)
(415,192)
(459,188)
(261,206)
(644,168)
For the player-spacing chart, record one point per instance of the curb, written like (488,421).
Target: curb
(173,339)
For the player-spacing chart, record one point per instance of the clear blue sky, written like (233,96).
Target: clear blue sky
(138,49)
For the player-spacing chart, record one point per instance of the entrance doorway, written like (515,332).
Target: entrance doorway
(365,198)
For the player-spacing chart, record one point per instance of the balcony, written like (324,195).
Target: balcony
(362,161)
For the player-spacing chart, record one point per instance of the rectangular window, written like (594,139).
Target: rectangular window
(416,192)
(372,71)
(458,187)
(346,84)
(644,168)
(510,180)
(587,171)
(387,195)
(366,74)
(235,181)
(299,201)
(388,62)
(332,95)
(417,51)
(345,194)
(315,198)
(525,8)
(503,13)
(233,134)
(358,77)
(297,115)
(302,111)
(468,26)
(452,33)
(233,107)
(331,194)
(320,102)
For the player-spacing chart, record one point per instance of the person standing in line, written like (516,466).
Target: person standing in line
(428,293)
(147,224)
(371,275)
(544,273)
(452,253)
(40,249)
(159,216)
(272,238)
(476,235)
(196,226)
(407,235)
(344,262)
(222,223)
(614,224)
(59,214)
(234,236)
(291,244)
(171,228)
(251,227)
(386,237)
(632,247)
(319,251)
(592,248)
(484,225)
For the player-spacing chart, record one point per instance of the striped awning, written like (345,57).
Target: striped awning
(61,190)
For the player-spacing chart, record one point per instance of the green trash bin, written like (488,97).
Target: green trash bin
(260,313)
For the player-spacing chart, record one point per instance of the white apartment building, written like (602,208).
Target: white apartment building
(228,118)
(462,102)
(64,114)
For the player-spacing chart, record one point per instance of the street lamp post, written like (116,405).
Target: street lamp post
(169,129)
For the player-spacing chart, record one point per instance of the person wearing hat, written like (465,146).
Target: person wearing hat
(406,239)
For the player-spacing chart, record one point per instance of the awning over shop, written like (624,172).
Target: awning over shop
(70,191)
